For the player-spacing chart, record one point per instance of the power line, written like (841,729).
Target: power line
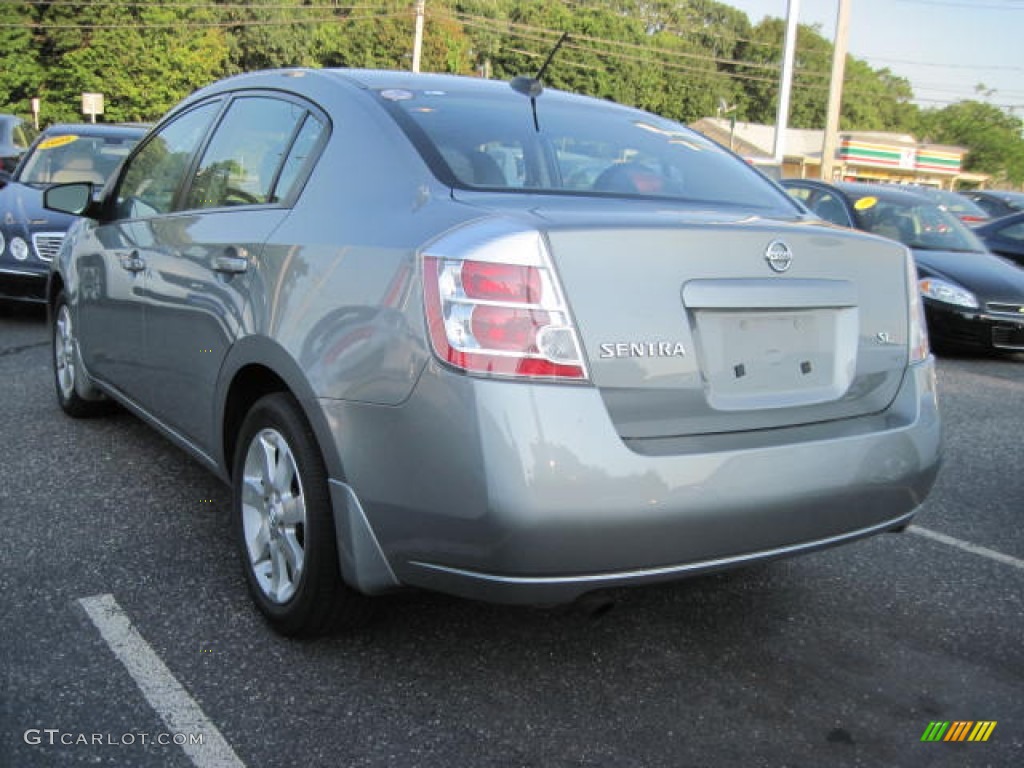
(546,37)
(1003,67)
(972,6)
(603,48)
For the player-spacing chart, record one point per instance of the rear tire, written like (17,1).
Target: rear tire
(69,377)
(284,526)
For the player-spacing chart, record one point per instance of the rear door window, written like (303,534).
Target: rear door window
(241,164)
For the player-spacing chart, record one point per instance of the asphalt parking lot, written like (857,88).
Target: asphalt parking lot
(128,635)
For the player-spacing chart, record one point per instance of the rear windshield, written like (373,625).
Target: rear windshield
(491,141)
(71,158)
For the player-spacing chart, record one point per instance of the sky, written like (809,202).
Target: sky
(943,47)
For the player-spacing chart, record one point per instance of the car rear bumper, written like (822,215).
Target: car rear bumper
(524,493)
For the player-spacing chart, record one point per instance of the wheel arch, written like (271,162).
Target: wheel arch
(54,285)
(256,367)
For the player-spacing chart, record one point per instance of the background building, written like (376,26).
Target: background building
(895,158)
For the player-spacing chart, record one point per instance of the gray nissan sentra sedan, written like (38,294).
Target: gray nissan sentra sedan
(437,333)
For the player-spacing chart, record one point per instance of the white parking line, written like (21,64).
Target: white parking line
(176,708)
(974,549)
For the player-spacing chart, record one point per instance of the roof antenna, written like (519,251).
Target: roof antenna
(532,86)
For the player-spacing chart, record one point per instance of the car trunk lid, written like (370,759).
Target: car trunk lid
(688,328)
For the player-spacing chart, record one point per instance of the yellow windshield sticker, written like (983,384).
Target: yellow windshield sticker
(57,141)
(865,202)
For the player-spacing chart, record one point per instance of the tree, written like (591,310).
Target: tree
(994,137)
(677,58)
(21,73)
(142,57)
(382,39)
(266,34)
(872,99)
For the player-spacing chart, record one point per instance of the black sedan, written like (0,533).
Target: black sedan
(973,299)
(15,136)
(997,202)
(30,235)
(1005,236)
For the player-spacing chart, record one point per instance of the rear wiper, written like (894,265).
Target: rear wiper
(532,87)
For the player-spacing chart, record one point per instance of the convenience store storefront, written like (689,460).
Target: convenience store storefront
(897,159)
(894,158)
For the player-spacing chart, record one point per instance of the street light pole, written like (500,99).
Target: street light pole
(417,41)
(835,92)
(786,83)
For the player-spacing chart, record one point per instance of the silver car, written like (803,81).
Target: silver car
(502,342)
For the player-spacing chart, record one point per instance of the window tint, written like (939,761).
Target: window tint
(1013,232)
(829,207)
(800,193)
(488,139)
(21,137)
(247,149)
(298,157)
(923,225)
(155,174)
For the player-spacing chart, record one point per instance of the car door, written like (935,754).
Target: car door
(1008,241)
(112,276)
(197,281)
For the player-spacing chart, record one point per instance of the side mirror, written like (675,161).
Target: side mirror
(69,198)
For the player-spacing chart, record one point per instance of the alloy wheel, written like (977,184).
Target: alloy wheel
(273,515)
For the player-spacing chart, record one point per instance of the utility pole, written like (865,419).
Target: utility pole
(786,83)
(835,91)
(417,41)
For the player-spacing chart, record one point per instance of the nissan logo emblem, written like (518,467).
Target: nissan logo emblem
(778,256)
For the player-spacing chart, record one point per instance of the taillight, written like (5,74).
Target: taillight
(917,335)
(494,305)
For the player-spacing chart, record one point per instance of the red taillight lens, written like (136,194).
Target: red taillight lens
(501,282)
(507,329)
(500,312)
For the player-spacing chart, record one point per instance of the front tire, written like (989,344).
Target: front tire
(284,527)
(69,377)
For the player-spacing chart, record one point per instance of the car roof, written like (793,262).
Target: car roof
(854,189)
(891,192)
(383,79)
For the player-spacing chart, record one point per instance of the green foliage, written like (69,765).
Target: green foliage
(142,57)
(679,58)
(993,136)
(21,72)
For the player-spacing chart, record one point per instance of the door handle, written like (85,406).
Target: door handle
(233,261)
(133,262)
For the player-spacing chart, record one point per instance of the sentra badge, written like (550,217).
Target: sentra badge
(643,349)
